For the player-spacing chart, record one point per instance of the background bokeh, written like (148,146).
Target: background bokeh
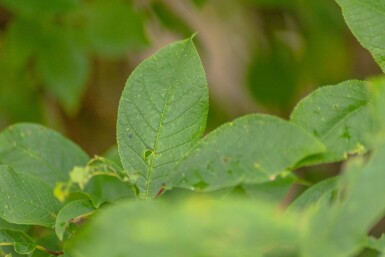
(64,63)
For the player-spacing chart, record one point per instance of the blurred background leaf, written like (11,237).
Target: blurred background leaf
(63,63)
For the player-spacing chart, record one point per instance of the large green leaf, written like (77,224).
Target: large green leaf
(22,243)
(25,199)
(193,227)
(366,19)
(162,114)
(340,117)
(40,151)
(252,149)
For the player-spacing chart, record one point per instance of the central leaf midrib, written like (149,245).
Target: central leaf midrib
(151,166)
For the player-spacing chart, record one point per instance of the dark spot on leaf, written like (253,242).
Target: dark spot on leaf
(230,172)
(316,112)
(226,159)
(201,185)
(129,136)
(148,153)
(346,134)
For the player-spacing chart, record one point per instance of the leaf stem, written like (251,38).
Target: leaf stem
(55,253)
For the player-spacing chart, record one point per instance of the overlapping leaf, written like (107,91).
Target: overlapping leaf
(69,213)
(252,149)
(340,116)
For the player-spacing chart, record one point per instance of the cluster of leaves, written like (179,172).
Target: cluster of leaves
(161,120)
(47,47)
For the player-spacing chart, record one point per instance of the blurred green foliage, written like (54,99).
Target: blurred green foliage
(50,52)
(47,46)
(304,46)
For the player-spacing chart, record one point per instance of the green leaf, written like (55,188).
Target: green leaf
(366,20)
(340,117)
(21,242)
(39,151)
(113,27)
(25,199)
(193,227)
(162,114)
(72,213)
(63,68)
(347,223)
(320,192)
(252,149)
